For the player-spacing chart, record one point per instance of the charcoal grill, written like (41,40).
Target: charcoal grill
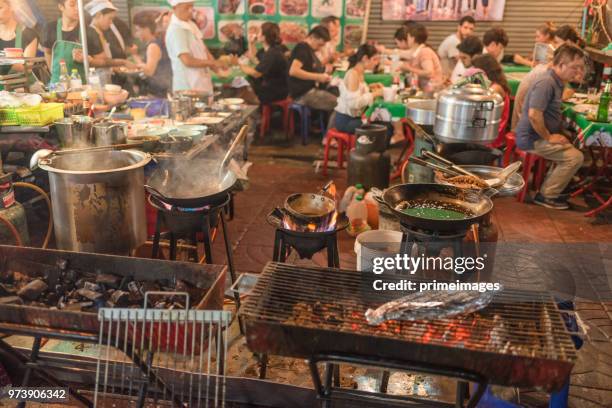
(39,322)
(318,313)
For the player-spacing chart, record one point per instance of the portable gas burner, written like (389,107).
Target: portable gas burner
(307,240)
(187,223)
(431,242)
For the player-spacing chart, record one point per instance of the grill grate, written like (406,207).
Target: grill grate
(517,323)
(156,355)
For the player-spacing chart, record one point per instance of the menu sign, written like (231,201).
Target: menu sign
(219,18)
(440,10)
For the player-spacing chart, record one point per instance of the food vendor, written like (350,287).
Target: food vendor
(61,37)
(156,65)
(120,39)
(191,60)
(102,12)
(14,35)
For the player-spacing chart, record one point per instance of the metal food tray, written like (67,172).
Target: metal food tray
(34,262)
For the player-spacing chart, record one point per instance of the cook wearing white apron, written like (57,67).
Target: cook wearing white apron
(185,42)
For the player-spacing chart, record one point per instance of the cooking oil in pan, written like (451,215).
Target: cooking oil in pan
(432,211)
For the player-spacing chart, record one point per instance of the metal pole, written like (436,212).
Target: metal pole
(83,29)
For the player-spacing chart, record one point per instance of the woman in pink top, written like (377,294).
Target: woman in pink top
(425,62)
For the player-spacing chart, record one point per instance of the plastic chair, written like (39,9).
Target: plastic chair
(266,113)
(304,112)
(344,141)
(530,161)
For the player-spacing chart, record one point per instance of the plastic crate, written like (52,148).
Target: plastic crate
(8,117)
(41,115)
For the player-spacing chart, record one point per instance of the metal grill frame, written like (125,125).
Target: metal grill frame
(197,327)
(271,334)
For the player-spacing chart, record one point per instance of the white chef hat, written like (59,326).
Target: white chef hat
(95,6)
(177,2)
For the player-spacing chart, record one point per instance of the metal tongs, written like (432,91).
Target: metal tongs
(447,164)
(441,164)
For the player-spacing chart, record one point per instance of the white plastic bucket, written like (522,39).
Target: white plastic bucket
(376,243)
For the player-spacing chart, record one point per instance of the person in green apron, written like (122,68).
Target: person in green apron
(102,12)
(15,35)
(62,38)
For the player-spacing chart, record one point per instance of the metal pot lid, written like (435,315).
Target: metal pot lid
(470,93)
(422,104)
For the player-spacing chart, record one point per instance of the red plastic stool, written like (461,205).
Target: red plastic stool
(344,142)
(266,113)
(530,162)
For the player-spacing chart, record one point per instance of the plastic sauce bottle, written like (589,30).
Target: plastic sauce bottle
(357,214)
(347,198)
(349,195)
(75,80)
(372,205)
(64,79)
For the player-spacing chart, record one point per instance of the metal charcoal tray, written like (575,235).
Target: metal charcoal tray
(37,263)
(304,312)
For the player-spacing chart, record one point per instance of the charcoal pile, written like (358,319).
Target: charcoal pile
(66,289)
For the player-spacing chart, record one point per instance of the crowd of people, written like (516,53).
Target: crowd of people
(176,58)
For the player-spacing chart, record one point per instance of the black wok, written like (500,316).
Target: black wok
(190,183)
(473,204)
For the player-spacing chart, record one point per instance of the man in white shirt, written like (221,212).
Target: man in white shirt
(448,48)
(466,50)
(189,57)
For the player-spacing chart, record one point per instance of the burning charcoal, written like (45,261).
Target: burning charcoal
(109,281)
(89,294)
(120,298)
(32,290)
(11,300)
(92,286)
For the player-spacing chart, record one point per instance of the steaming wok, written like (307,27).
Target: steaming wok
(472,205)
(190,183)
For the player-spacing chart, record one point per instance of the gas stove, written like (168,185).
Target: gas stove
(306,240)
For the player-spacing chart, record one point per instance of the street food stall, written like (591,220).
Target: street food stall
(184,221)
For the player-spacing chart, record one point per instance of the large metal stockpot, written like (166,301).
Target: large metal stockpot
(98,200)
(468,114)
